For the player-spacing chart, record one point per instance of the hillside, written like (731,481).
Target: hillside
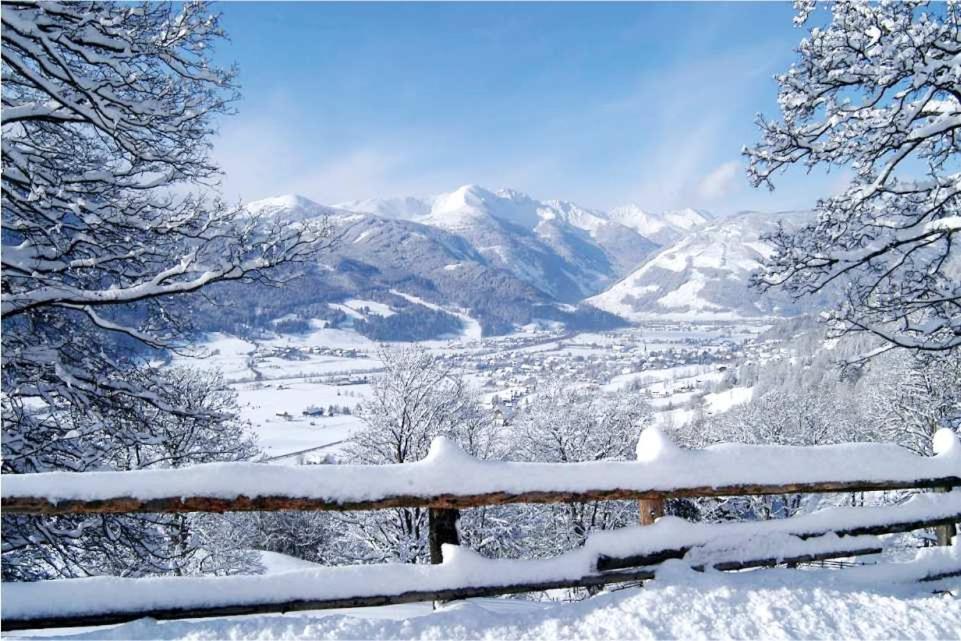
(507,260)
(704,275)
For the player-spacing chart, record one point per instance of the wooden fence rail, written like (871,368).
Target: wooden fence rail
(599,579)
(830,534)
(448,480)
(131,505)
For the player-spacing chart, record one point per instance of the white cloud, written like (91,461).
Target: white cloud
(720,181)
(265,157)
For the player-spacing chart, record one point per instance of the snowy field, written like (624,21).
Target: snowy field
(281,379)
(679,604)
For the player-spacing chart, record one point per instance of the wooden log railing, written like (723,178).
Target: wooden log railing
(16,504)
(386,597)
(448,481)
(814,537)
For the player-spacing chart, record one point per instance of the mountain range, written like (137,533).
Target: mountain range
(507,260)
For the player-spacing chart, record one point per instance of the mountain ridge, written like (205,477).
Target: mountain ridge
(496,252)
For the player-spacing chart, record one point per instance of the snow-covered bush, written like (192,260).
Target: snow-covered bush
(906,397)
(565,424)
(144,437)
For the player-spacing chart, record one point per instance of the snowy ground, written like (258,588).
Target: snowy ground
(680,604)
(277,379)
(769,604)
(277,412)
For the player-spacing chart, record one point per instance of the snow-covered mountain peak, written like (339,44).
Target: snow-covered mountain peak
(276,203)
(683,262)
(687,218)
(291,206)
(473,204)
(400,207)
(514,195)
(466,196)
(662,227)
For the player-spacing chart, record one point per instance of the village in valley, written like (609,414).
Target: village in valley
(302,393)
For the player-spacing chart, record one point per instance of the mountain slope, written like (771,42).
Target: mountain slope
(704,275)
(566,251)
(663,228)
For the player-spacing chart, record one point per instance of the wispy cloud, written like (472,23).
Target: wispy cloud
(263,157)
(720,181)
(663,133)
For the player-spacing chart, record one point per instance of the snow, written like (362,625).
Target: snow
(685,596)
(946,224)
(275,391)
(703,274)
(723,401)
(354,307)
(664,381)
(407,208)
(277,563)
(461,568)
(447,471)
(661,227)
(770,604)
(351,312)
(674,533)
(709,543)
(277,414)
(686,218)
(687,296)
(472,328)
(945,443)
(653,445)
(231,355)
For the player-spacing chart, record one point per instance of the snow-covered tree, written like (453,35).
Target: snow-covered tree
(877,91)
(209,430)
(108,224)
(420,396)
(107,114)
(566,424)
(312,536)
(906,398)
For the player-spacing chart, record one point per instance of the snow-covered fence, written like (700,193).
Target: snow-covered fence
(447,479)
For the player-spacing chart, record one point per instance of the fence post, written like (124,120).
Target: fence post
(652,444)
(945,533)
(441,529)
(649,510)
(944,442)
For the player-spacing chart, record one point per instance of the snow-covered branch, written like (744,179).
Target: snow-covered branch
(877,91)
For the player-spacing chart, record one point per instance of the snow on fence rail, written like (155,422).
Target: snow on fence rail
(630,551)
(448,478)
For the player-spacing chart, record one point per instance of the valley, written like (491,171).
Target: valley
(513,292)
(301,393)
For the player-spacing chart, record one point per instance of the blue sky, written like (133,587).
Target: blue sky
(602,104)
